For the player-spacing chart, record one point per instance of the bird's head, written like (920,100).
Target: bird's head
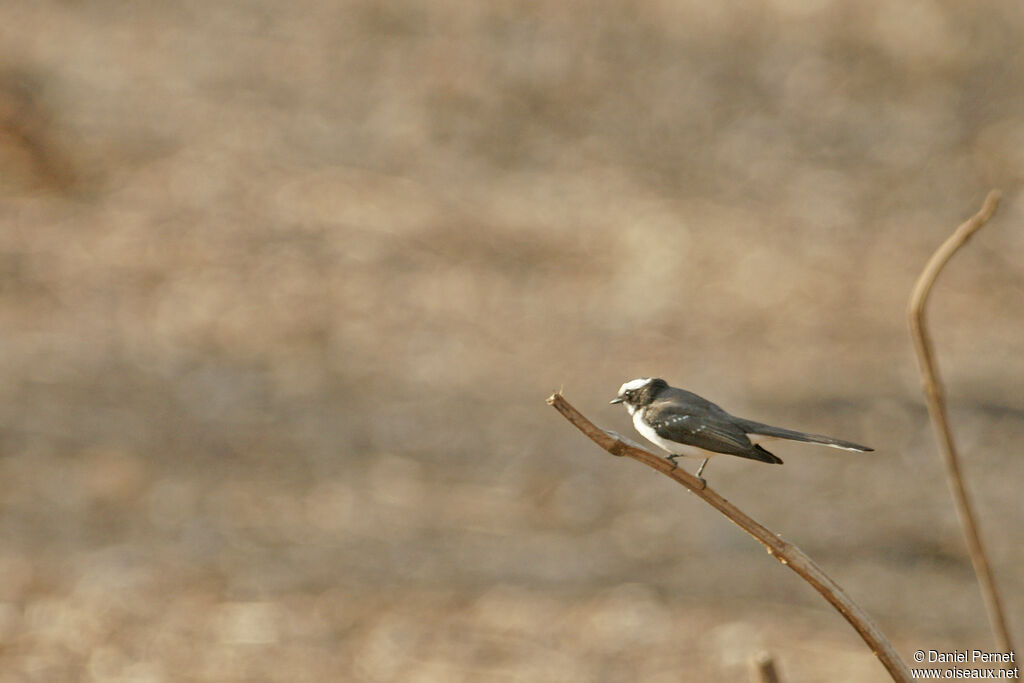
(637,393)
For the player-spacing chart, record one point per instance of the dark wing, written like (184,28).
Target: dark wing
(696,425)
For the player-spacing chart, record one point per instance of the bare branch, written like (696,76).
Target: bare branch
(786,553)
(762,669)
(940,420)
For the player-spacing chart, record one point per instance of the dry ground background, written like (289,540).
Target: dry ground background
(283,287)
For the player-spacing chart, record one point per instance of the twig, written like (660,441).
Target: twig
(940,420)
(762,669)
(786,553)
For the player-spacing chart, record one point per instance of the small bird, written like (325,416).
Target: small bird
(683,423)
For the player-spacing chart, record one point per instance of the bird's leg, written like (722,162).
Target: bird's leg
(701,469)
(672,459)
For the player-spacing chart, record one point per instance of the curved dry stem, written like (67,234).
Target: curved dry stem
(786,553)
(940,420)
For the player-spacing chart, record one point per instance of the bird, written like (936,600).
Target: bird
(683,423)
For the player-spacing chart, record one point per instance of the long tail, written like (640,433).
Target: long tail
(760,429)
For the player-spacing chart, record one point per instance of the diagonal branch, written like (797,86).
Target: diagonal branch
(940,419)
(786,553)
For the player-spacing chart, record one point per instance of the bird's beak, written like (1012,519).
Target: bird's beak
(617,399)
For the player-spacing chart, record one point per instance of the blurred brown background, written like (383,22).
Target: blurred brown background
(283,287)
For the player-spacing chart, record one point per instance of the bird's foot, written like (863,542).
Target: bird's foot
(672,459)
(700,470)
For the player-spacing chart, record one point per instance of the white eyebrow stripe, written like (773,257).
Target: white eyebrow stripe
(634,384)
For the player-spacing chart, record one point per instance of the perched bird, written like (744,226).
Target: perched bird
(683,423)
